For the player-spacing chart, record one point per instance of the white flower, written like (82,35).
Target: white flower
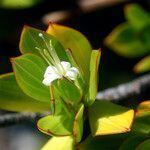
(52,73)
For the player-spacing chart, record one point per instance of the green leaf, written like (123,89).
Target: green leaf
(137,16)
(108,118)
(144,145)
(141,124)
(60,143)
(93,83)
(18,4)
(13,99)
(143,65)
(78,124)
(144,106)
(68,91)
(29,72)
(76,42)
(132,142)
(30,40)
(109,142)
(126,42)
(56,125)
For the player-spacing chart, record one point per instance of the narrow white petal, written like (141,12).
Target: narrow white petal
(66,65)
(49,70)
(48,80)
(72,73)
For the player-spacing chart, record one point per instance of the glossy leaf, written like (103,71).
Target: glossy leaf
(68,91)
(132,142)
(109,142)
(29,71)
(12,97)
(144,145)
(60,143)
(76,42)
(143,65)
(93,83)
(78,124)
(30,41)
(56,125)
(126,42)
(137,16)
(108,118)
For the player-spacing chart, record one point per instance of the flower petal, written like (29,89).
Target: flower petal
(72,73)
(49,70)
(48,80)
(66,65)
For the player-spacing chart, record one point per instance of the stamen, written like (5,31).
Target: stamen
(42,54)
(53,52)
(51,55)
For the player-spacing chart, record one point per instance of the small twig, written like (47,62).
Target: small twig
(112,94)
(125,90)
(15,118)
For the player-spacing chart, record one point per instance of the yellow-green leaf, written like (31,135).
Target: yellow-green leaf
(56,125)
(137,16)
(68,91)
(59,143)
(144,106)
(108,118)
(76,42)
(30,41)
(17,4)
(93,83)
(78,124)
(143,65)
(12,97)
(124,41)
(29,72)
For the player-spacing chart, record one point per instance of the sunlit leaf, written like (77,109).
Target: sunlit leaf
(93,84)
(137,16)
(60,143)
(68,91)
(76,42)
(143,65)
(29,71)
(144,106)
(126,42)
(78,124)
(30,41)
(56,125)
(108,118)
(12,97)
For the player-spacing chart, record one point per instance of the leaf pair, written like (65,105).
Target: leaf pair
(131,39)
(63,125)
